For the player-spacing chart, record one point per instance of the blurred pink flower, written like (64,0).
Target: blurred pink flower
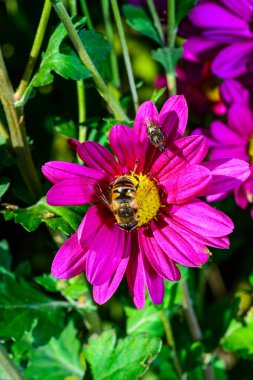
(221,30)
(174,226)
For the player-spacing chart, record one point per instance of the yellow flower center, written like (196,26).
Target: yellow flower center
(250,149)
(147,196)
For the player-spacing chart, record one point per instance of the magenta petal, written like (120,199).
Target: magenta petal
(103,292)
(241,197)
(56,171)
(155,283)
(70,260)
(173,118)
(135,275)
(232,91)
(198,48)
(72,192)
(233,60)
(227,174)
(98,157)
(185,151)
(186,184)
(94,219)
(202,218)
(161,263)
(177,247)
(242,8)
(147,110)
(74,144)
(238,115)
(127,148)
(219,130)
(105,253)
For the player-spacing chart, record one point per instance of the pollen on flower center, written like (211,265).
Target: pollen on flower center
(250,149)
(148,198)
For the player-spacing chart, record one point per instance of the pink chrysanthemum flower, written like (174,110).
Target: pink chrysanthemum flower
(234,139)
(173,225)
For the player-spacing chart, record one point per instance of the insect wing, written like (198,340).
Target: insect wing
(101,191)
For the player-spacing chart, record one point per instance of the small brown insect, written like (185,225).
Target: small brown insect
(120,198)
(155,135)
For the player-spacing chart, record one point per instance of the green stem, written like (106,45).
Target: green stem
(110,36)
(156,20)
(171,342)
(8,366)
(15,120)
(125,51)
(86,13)
(172,30)
(72,7)
(85,58)
(35,50)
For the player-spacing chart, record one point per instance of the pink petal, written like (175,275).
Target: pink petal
(241,197)
(72,192)
(220,132)
(70,260)
(136,276)
(227,174)
(199,48)
(233,60)
(242,8)
(74,144)
(177,247)
(188,150)
(202,218)
(105,253)
(238,115)
(98,157)
(186,184)
(232,91)
(102,293)
(127,148)
(221,152)
(161,263)
(56,171)
(92,222)
(173,118)
(147,110)
(155,283)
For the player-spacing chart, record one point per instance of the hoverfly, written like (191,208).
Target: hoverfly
(121,200)
(155,134)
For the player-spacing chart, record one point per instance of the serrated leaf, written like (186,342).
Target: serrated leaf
(67,219)
(57,360)
(168,57)
(5,256)
(239,336)
(147,320)
(61,58)
(23,307)
(130,359)
(137,18)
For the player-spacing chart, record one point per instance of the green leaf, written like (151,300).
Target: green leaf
(61,58)
(4,185)
(66,128)
(137,18)
(168,57)
(157,94)
(130,359)
(182,8)
(57,360)
(5,256)
(239,336)
(146,320)
(48,282)
(67,219)
(23,307)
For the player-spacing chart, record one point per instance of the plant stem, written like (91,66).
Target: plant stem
(35,50)
(125,51)
(86,13)
(156,20)
(8,366)
(80,88)
(194,326)
(85,58)
(171,342)
(172,30)
(3,132)
(15,120)
(109,32)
